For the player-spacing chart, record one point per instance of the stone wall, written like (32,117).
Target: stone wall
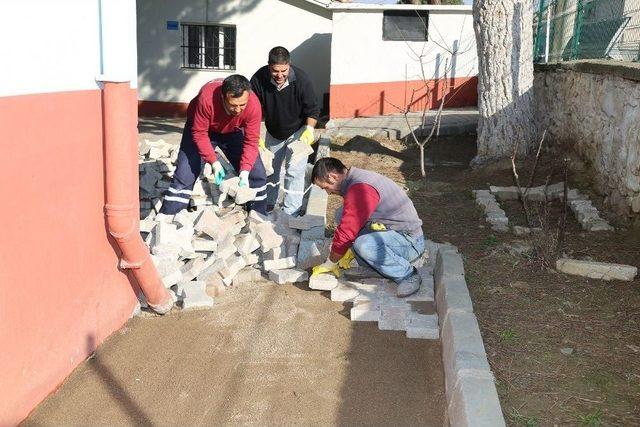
(593,107)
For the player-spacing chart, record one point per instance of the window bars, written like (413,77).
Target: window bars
(210,47)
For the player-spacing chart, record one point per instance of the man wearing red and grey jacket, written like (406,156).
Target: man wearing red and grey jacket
(379,224)
(225,114)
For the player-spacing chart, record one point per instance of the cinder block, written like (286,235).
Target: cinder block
(474,402)
(288,276)
(279,264)
(323,282)
(423,326)
(365,311)
(597,270)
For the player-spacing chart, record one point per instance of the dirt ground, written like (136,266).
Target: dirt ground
(528,313)
(264,355)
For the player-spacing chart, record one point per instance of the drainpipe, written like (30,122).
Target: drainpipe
(122,208)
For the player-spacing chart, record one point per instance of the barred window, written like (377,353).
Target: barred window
(209,46)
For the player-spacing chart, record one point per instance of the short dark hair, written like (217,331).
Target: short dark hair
(325,166)
(279,55)
(235,85)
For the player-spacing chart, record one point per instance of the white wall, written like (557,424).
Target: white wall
(359,55)
(54,46)
(301,27)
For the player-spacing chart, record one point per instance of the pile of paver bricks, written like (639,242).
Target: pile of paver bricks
(582,208)
(215,243)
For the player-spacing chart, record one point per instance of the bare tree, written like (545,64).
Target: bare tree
(504,40)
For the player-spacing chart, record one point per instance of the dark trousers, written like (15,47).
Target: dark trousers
(189,166)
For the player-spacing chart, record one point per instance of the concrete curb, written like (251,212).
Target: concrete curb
(472,398)
(311,247)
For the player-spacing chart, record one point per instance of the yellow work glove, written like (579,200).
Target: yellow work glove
(345,262)
(261,144)
(376,226)
(307,135)
(326,267)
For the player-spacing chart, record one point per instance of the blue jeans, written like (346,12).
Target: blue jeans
(293,175)
(388,252)
(189,166)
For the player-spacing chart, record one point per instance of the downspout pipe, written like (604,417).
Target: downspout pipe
(122,205)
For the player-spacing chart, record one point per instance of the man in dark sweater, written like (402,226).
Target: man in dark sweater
(290,109)
(379,225)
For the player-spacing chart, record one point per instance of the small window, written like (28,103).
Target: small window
(211,47)
(405,25)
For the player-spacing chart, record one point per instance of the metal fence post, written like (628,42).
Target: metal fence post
(576,31)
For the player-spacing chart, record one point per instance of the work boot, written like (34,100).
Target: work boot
(409,286)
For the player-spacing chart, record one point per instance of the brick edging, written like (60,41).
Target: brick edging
(472,398)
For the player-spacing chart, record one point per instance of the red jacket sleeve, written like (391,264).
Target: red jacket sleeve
(359,203)
(203,112)
(251,134)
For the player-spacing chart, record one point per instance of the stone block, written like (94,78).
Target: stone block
(556,191)
(365,311)
(193,268)
(448,264)
(474,402)
(234,265)
(279,264)
(311,253)
(246,244)
(211,269)
(504,193)
(306,222)
(462,348)
(452,294)
(291,275)
(299,150)
(478,194)
(597,270)
(393,318)
(250,259)
(349,291)
(209,224)
(323,282)
(247,275)
(204,245)
(536,194)
(194,296)
(598,225)
(423,326)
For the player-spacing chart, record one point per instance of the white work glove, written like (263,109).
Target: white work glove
(218,172)
(307,135)
(244,179)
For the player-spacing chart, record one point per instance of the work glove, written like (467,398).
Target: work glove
(218,172)
(326,267)
(261,144)
(307,135)
(345,262)
(376,226)
(244,179)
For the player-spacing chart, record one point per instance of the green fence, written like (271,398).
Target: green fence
(566,30)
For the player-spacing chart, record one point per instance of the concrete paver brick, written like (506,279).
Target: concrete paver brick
(246,244)
(504,193)
(323,282)
(365,311)
(267,160)
(290,275)
(193,268)
(194,296)
(597,270)
(349,291)
(234,265)
(424,326)
(393,318)
(299,150)
(474,402)
(306,222)
(251,259)
(209,224)
(215,267)
(279,264)
(452,295)
(448,264)
(247,275)
(311,253)
(204,245)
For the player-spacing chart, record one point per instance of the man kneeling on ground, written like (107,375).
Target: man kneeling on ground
(379,225)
